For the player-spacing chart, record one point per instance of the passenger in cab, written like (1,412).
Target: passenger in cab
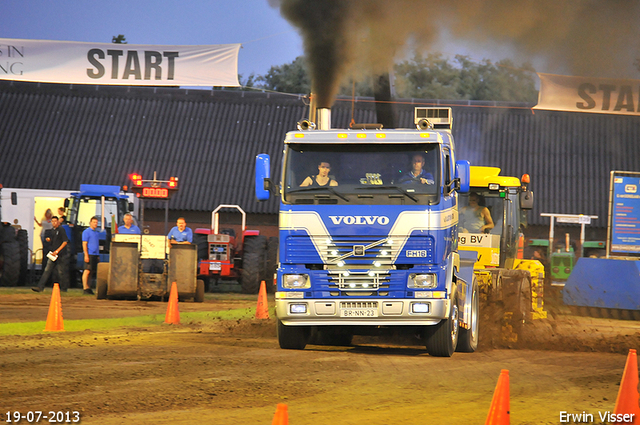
(322,179)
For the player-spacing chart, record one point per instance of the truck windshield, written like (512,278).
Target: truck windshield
(497,205)
(85,208)
(362,174)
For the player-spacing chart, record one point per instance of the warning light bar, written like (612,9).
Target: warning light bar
(153,189)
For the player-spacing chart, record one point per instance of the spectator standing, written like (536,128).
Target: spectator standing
(128,228)
(91,249)
(62,217)
(180,234)
(57,238)
(45,225)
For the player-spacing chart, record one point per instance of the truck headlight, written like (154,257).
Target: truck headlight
(426,280)
(419,307)
(296,281)
(297,308)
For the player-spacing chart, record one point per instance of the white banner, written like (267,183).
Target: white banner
(583,94)
(118,64)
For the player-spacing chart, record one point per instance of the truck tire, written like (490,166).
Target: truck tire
(272,263)
(23,246)
(292,337)
(442,339)
(468,338)
(10,251)
(250,276)
(199,296)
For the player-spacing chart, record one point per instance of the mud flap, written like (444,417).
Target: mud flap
(465,294)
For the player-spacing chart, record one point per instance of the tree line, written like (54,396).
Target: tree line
(424,77)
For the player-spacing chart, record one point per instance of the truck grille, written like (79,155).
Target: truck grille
(218,252)
(365,280)
(354,250)
(372,251)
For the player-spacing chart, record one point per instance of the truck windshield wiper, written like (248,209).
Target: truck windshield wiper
(314,189)
(398,188)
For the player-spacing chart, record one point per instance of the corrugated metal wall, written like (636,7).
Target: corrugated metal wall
(57,137)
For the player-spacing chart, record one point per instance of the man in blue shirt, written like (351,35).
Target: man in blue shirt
(417,174)
(128,228)
(180,234)
(91,249)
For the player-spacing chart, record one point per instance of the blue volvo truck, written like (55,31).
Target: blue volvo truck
(375,248)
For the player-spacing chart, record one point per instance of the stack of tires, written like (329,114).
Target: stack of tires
(259,262)
(14,251)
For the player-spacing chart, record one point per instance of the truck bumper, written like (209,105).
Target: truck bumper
(360,311)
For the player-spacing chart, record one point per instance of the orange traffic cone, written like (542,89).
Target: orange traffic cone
(282,415)
(499,410)
(627,401)
(173,314)
(54,318)
(262,309)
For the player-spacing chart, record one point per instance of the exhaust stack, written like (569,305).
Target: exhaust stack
(323,118)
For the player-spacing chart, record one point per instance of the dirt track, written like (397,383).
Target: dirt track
(234,373)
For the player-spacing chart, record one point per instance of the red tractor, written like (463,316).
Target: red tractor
(249,258)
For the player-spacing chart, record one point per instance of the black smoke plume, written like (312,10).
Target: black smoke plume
(345,38)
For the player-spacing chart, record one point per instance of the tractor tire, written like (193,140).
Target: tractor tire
(10,252)
(272,263)
(23,245)
(468,339)
(250,276)
(202,243)
(253,263)
(292,337)
(199,296)
(255,245)
(442,339)
(517,299)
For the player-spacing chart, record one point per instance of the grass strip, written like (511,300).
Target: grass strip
(31,328)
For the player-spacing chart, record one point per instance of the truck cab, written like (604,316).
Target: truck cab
(375,247)
(105,202)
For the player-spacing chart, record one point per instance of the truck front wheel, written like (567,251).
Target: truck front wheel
(442,339)
(292,337)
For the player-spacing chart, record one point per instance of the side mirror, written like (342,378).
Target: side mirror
(66,203)
(130,207)
(263,170)
(526,200)
(463,174)
(14,198)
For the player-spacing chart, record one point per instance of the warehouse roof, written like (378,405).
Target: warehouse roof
(60,136)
